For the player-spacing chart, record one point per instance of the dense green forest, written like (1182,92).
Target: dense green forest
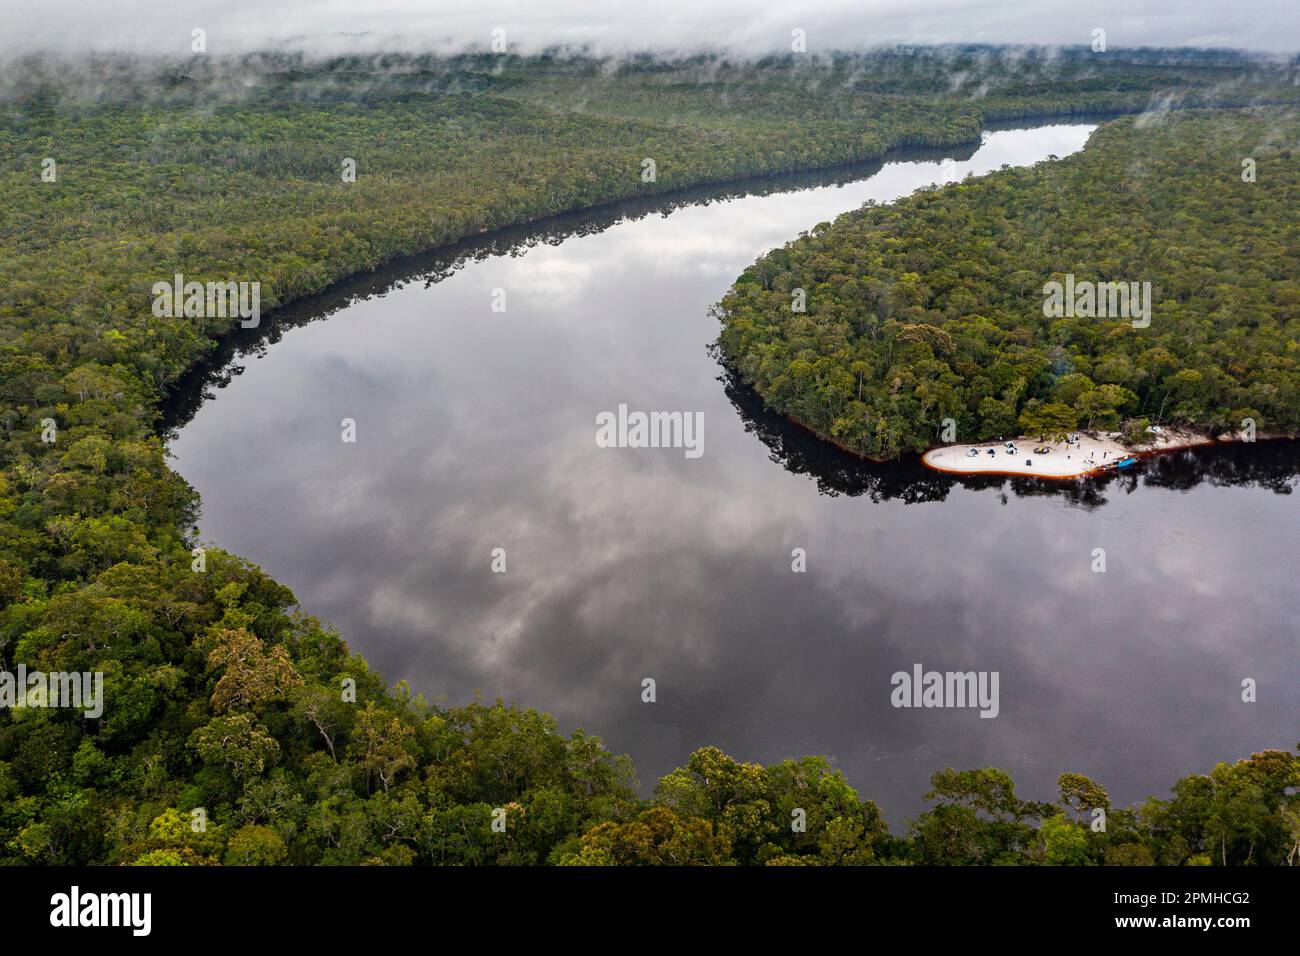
(934,307)
(224,698)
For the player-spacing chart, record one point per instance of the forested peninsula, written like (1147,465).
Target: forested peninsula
(226,704)
(875,329)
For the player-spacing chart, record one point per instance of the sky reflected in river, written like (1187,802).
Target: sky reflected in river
(476,430)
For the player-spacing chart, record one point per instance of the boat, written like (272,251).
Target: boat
(1126,463)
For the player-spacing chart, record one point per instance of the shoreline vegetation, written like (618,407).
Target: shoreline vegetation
(222,696)
(1098,452)
(952,458)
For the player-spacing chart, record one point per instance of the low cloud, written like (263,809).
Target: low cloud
(151,27)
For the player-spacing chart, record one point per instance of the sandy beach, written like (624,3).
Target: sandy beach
(1091,454)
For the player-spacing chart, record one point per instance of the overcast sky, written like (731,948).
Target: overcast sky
(752,26)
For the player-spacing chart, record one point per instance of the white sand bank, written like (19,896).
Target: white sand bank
(1092,453)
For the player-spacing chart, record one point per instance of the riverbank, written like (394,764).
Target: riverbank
(1090,454)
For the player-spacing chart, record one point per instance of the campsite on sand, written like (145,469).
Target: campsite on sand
(1076,455)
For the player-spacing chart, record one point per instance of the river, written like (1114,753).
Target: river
(476,430)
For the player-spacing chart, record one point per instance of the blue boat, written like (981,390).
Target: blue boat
(1126,463)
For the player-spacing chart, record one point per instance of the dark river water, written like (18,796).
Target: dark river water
(476,430)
